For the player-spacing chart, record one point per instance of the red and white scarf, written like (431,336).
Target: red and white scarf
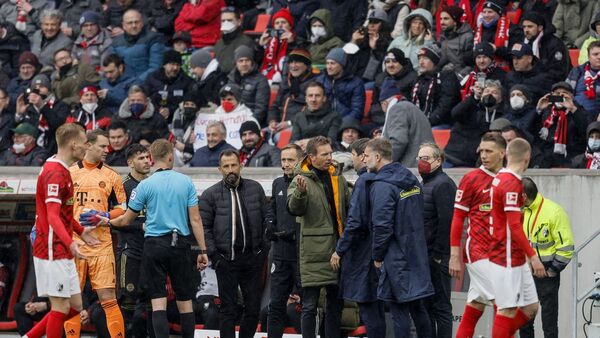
(593,160)
(501,39)
(275,51)
(472,78)
(590,81)
(558,116)
(428,97)
(246,156)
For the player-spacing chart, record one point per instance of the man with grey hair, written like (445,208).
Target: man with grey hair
(216,143)
(47,40)
(438,197)
(140,115)
(473,117)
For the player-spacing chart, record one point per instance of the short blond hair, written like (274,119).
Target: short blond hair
(518,149)
(160,149)
(67,133)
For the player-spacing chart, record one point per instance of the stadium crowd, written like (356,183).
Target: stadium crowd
(267,83)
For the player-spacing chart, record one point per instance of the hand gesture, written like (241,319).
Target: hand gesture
(202,262)
(454,266)
(477,90)
(74,247)
(543,103)
(357,36)
(24,5)
(568,104)
(88,238)
(287,35)
(335,261)
(85,317)
(264,38)
(301,183)
(102,93)
(94,218)
(538,268)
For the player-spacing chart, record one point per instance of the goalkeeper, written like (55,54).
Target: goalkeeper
(99,188)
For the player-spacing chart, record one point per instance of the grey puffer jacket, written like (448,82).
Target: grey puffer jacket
(72,10)
(94,51)
(266,156)
(255,92)
(455,46)
(8,13)
(45,53)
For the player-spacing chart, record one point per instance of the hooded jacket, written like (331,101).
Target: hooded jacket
(319,49)
(572,19)
(92,51)
(411,47)
(399,242)
(148,120)
(321,122)
(11,47)
(301,11)
(255,91)
(589,38)
(207,88)
(226,46)
(346,95)
(142,54)
(582,161)
(202,21)
(456,46)
(318,234)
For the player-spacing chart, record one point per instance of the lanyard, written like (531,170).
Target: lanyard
(535,218)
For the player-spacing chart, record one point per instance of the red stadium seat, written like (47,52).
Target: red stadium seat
(368,101)
(574,55)
(8,326)
(284,138)
(272,97)
(441,137)
(360,331)
(512,17)
(290,330)
(262,22)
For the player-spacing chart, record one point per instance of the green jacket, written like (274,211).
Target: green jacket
(319,49)
(317,239)
(67,88)
(572,20)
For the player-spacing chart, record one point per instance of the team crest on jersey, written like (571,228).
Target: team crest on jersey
(512,198)
(102,184)
(52,189)
(486,207)
(495,182)
(407,193)
(459,195)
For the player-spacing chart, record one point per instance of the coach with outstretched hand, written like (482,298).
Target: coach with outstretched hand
(170,201)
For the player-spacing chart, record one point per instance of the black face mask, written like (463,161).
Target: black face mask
(189,115)
(65,69)
(488,101)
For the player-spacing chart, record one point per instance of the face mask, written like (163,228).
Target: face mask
(517,102)
(18,147)
(89,107)
(594,144)
(491,24)
(189,111)
(227,106)
(137,109)
(424,167)
(488,101)
(65,69)
(227,27)
(318,31)
(232,180)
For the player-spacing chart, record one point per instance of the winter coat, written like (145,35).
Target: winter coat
(7,122)
(52,114)
(150,119)
(319,49)
(216,211)
(11,47)
(113,16)
(411,47)
(267,156)
(582,161)
(349,15)
(577,123)
(367,63)
(526,119)
(117,158)
(158,85)
(94,51)
(536,80)
(321,122)
(438,208)
(9,12)
(572,19)
(73,9)
(17,86)
(67,87)
(33,158)
(577,80)
(456,46)
(398,235)
(163,19)
(142,54)
(209,157)
(202,21)
(207,88)
(470,123)
(405,80)
(445,94)
(45,52)
(406,128)
(255,92)
(318,233)
(554,56)
(99,119)
(301,11)
(358,278)
(284,247)
(346,95)
(117,92)
(226,46)
(289,102)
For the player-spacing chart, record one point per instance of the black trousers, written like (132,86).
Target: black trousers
(283,277)
(438,305)
(547,290)
(333,311)
(25,320)
(244,271)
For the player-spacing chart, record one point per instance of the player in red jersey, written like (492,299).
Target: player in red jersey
(473,202)
(53,245)
(514,288)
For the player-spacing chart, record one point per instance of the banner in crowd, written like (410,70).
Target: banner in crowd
(232,122)
(215,334)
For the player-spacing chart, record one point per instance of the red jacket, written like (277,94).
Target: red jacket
(203,21)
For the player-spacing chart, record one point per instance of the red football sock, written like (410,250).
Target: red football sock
(466,328)
(39,329)
(520,319)
(502,327)
(54,327)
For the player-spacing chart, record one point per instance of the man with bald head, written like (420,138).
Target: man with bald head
(141,49)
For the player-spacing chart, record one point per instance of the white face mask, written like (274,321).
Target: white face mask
(517,102)
(89,107)
(318,31)
(227,27)
(19,147)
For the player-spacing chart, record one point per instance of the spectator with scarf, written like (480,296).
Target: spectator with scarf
(590,159)
(277,41)
(436,91)
(484,65)
(255,152)
(90,114)
(92,45)
(563,130)
(584,80)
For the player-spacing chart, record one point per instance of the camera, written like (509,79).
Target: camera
(275,33)
(556,99)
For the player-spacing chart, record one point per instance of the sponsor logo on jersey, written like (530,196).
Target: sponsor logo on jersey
(407,193)
(486,207)
(459,195)
(52,189)
(71,201)
(512,198)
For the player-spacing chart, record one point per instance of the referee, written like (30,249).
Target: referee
(170,201)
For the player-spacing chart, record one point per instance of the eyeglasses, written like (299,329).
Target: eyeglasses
(425,158)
